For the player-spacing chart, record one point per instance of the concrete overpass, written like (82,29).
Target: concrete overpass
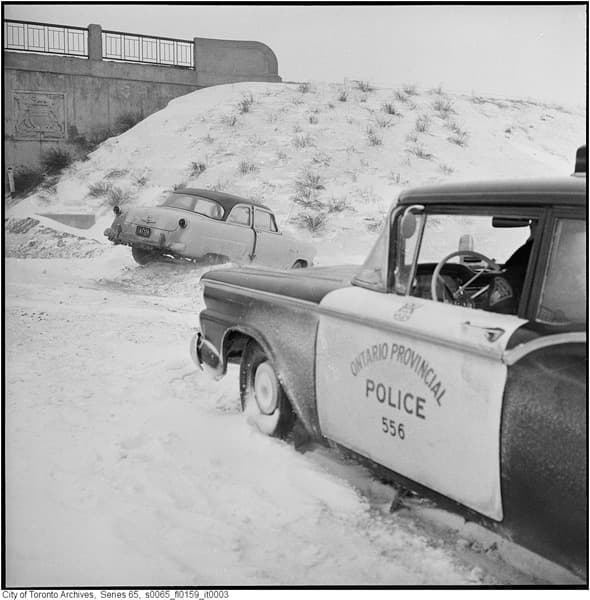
(64,85)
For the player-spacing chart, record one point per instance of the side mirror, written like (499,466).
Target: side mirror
(408,225)
(510,221)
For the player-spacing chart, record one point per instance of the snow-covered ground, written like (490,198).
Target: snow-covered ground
(125,466)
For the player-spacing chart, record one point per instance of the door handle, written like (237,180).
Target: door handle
(491,333)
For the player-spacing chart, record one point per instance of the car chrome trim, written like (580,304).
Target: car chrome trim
(206,357)
(515,354)
(417,247)
(387,326)
(193,349)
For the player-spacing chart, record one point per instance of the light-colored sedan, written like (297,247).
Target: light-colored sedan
(214,226)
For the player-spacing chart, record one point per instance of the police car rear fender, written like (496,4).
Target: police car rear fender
(289,333)
(416,386)
(285,327)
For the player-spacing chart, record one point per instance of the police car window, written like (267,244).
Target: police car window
(183,201)
(563,297)
(239,215)
(404,251)
(373,272)
(505,241)
(444,234)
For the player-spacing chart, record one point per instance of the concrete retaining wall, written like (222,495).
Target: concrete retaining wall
(64,101)
(227,61)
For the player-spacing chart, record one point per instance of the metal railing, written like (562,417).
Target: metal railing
(30,36)
(131,47)
(45,38)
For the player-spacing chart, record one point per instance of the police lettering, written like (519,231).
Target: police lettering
(400,400)
(402,355)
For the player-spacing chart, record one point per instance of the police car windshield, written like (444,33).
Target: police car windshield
(444,234)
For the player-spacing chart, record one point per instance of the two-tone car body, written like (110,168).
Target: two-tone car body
(205,224)
(454,359)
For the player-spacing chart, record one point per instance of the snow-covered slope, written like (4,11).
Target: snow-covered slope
(125,466)
(275,142)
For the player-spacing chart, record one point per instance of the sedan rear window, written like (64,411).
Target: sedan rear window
(203,206)
(180,201)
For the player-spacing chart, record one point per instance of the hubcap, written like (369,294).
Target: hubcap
(265,389)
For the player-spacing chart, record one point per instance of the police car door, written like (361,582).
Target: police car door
(413,384)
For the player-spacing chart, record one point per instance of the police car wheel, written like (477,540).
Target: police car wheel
(264,401)
(143,257)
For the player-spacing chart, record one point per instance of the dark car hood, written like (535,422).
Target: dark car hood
(310,284)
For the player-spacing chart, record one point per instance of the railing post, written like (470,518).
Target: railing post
(94,42)
(195,44)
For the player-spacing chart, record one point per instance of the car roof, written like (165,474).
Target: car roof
(227,201)
(531,192)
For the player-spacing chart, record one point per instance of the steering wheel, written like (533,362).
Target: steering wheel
(459,296)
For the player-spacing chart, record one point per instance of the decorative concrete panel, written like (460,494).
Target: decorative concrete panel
(39,115)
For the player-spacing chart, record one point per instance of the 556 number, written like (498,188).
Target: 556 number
(392,428)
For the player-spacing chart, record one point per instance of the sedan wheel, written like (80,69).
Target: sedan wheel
(264,401)
(143,257)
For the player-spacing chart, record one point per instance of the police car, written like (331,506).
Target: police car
(455,358)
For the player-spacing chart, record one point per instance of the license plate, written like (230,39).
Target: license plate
(143,231)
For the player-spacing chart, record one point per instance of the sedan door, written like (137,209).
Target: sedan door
(233,238)
(271,248)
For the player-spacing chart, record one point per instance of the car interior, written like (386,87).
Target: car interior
(478,260)
(474,260)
